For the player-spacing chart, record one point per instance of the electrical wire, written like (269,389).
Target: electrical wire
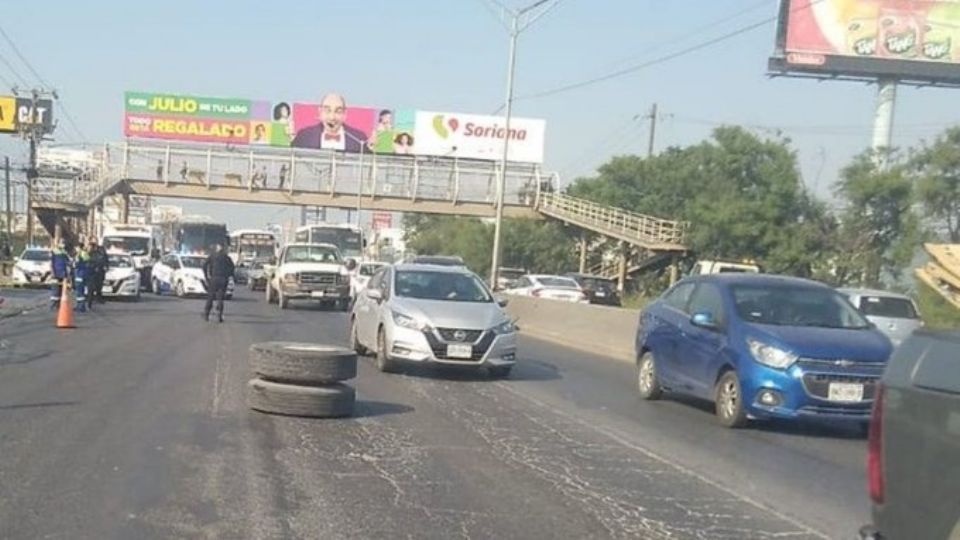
(659,60)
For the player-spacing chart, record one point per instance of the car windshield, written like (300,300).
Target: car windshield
(36,255)
(193,262)
(312,254)
(555,282)
(785,305)
(120,261)
(447,286)
(597,283)
(127,244)
(369,269)
(887,306)
(439,261)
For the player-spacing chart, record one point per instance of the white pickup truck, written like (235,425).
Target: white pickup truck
(314,272)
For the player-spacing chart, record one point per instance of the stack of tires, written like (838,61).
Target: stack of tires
(302,379)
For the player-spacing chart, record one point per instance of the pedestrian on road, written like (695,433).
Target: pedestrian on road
(6,255)
(81,280)
(98,272)
(60,266)
(218,269)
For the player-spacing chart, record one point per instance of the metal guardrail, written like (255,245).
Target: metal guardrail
(639,229)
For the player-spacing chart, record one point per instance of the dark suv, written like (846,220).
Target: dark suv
(913,464)
(599,290)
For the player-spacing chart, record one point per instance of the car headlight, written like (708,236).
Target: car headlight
(506,327)
(290,278)
(769,355)
(407,321)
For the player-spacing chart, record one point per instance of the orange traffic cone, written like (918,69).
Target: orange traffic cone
(65,315)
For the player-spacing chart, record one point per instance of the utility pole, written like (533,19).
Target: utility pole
(9,199)
(515,27)
(653,131)
(33,130)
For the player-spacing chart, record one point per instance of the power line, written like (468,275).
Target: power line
(23,59)
(13,71)
(677,39)
(662,59)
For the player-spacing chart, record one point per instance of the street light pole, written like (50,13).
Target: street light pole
(514,29)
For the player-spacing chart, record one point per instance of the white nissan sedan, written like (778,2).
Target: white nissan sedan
(422,313)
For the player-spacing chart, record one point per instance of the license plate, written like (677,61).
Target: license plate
(601,293)
(317,294)
(845,392)
(459,351)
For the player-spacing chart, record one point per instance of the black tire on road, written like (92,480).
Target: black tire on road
(383,361)
(728,397)
(648,383)
(302,363)
(329,401)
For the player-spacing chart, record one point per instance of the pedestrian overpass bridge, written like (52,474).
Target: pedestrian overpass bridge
(64,193)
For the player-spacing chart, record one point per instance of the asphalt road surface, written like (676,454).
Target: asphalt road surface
(134,425)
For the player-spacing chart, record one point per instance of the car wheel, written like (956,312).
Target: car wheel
(179,290)
(156,287)
(355,339)
(648,384)
(729,401)
(384,363)
(500,372)
(282,300)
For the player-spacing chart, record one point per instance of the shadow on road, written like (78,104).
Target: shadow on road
(797,428)
(366,409)
(39,405)
(523,371)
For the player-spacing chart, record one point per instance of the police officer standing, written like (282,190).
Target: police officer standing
(97,272)
(218,269)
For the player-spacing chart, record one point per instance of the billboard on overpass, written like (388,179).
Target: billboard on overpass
(329,124)
(911,40)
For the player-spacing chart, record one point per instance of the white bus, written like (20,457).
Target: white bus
(251,244)
(348,238)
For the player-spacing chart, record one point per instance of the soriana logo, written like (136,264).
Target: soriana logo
(477,136)
(445,126)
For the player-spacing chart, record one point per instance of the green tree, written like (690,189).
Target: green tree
(936,169)
(878,231)
(741,194)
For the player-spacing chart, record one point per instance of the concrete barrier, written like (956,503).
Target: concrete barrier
(599,329)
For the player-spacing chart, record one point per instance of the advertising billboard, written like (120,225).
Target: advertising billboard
(15,113)
(910,40)
(329,124)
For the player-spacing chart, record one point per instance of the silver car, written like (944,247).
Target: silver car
(894,314)
(433,314)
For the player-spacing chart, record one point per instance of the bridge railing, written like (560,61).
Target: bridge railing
(334,173)
(639,228)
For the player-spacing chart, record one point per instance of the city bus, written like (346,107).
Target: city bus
(252,244)
(193,236)
(348,238)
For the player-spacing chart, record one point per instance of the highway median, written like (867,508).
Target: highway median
(608,331)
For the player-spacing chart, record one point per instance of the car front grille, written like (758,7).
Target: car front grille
(818,384)
(464,336)
(318,278)
(480,347)
(838,365)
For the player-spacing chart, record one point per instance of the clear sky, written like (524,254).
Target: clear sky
(451,55)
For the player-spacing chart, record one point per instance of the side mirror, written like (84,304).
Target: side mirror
(375,294)
(704,319)
(351,264)
(502,302)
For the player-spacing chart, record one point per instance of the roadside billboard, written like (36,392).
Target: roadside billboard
(330,124)
(15,113)
(911,40)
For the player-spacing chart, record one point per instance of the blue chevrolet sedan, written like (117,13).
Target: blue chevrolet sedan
(761,346)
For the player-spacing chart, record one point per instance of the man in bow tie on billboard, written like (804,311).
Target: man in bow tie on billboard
(331,133)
